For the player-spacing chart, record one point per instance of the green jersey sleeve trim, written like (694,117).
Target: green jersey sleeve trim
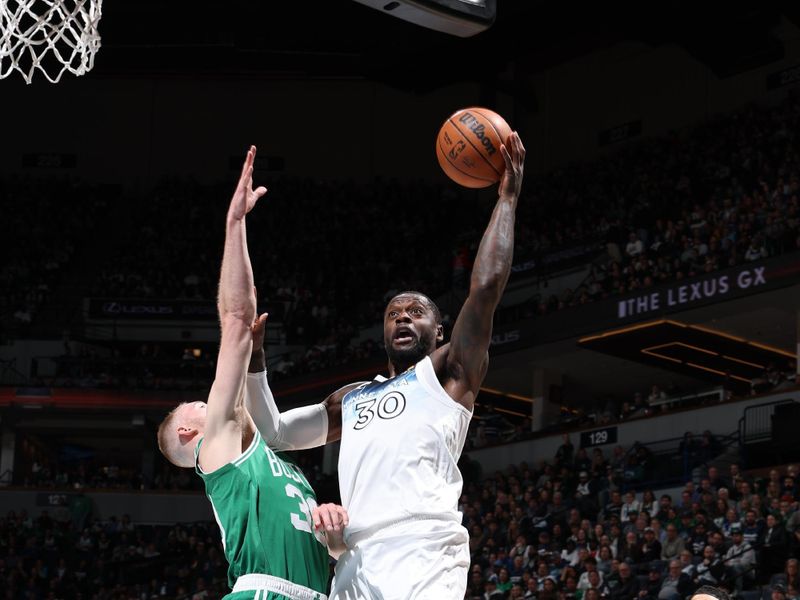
(226,468)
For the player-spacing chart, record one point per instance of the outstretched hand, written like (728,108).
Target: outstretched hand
(245,197)
(511,182)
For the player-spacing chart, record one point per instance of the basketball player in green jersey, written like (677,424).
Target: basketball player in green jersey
(265,508)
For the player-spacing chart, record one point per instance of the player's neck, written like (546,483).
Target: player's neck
(397,368)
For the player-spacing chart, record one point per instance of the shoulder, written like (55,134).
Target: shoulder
(448,367)
(217,471)
(337,396)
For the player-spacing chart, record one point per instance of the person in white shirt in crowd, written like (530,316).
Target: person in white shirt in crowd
(585,580)
(635,246)
(630,505)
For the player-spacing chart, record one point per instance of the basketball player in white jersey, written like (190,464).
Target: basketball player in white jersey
(401,437)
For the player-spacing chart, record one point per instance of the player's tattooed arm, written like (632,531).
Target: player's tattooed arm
(467,356)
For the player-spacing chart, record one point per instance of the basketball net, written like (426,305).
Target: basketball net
(51,36)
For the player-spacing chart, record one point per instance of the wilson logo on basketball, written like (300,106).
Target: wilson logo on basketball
(478,129)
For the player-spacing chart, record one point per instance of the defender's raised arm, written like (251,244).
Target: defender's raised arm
(236,303)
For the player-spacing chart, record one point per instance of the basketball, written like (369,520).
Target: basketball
(468,147)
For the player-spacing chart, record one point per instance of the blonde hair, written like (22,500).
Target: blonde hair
(169,444)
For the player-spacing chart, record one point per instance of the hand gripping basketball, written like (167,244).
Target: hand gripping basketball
(511,182)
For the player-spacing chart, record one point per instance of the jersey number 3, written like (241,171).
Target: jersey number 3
(306,505)
(388,407)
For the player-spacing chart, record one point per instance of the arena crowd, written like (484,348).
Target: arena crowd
(714,196)
(566,528)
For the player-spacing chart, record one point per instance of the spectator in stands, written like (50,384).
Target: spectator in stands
(604,559)
(630,550)
(564,454)
(650,505)
(676,585)
(740,559)
(657,395)
(710,571)
(614,507)
(589,569)
(586,495)
(652,586)
(673,545)
(491,592)
(778,592)
(651,547)
(635,246)
(752,528)
(697,540)
(774,545)
(626,584)
(630,507)
(664,506)
(790,577)
(734,477)
(714,479)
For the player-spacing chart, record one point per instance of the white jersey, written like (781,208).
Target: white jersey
(401,440)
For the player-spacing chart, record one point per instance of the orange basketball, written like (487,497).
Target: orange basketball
(468,147)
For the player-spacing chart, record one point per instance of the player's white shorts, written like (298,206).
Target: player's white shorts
(418,560)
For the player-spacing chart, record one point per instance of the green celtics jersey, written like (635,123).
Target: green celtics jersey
(263,503)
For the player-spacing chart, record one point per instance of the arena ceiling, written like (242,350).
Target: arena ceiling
(341,39)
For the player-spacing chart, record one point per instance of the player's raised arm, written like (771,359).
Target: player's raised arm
(467,357)
(236,304)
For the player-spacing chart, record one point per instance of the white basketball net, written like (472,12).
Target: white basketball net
(51,36)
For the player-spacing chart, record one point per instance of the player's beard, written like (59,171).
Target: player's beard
(405,357)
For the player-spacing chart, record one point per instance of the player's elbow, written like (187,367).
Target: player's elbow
(236,331)
(237,322)
(487,288)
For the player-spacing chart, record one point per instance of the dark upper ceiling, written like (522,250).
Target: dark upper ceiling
(341,38)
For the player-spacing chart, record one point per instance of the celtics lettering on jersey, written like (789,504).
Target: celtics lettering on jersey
(301,521)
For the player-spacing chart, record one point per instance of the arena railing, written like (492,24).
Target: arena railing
(756,428)
(672,461)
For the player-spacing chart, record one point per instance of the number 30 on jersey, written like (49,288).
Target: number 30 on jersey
(388,407)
